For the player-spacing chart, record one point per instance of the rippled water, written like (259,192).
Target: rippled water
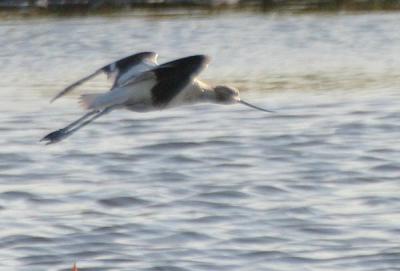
(312,187)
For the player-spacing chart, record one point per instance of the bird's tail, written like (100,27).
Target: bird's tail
(88,101)
(100,101)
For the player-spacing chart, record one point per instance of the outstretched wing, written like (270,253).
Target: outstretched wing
(130,67)
(172,77)
(122,70)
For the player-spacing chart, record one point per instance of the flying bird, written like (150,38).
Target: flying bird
(141,85)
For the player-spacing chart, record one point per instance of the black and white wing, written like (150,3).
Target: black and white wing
(121,71)
(172,77)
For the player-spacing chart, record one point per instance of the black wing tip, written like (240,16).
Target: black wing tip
(190,64)
(199,59)
(146,55)
(199,62)
(196,60)
(152,56)
(134,59)
(205,58)
(57,96)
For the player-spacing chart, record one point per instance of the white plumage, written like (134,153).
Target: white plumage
(141,85)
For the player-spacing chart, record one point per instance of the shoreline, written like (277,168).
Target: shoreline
(89,6)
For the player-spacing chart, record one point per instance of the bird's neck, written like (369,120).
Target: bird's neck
(207,93)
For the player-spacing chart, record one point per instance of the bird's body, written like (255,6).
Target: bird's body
(141,85)
(138,97)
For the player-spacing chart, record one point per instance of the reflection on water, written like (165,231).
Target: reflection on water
(205,187)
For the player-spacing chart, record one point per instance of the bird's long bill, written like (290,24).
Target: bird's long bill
(255,107)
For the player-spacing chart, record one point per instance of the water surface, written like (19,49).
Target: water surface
(206,187)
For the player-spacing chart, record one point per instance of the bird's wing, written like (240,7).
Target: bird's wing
(172,77)
(130,67)
(121,70)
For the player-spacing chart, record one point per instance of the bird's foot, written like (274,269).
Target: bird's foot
(55,136)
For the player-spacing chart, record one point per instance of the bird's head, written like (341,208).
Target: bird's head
(230,95)
(226,95)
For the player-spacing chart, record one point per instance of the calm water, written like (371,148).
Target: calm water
(205,188)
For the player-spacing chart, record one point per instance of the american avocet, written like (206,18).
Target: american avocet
(141,85)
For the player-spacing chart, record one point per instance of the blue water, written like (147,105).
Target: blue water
(314,186)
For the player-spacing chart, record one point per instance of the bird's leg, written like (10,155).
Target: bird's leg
(75,126)
(71,125)
(83,124)
(56,135)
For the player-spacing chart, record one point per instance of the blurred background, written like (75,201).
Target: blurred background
(265,4)
(314,186)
